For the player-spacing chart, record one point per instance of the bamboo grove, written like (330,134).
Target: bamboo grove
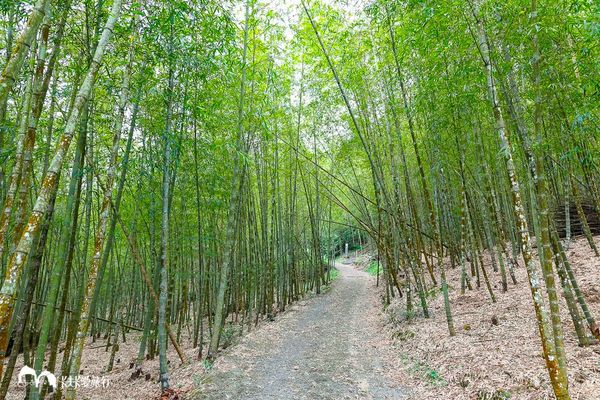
(174,208)
(173,170)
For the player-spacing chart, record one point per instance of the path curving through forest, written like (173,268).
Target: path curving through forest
(329,347)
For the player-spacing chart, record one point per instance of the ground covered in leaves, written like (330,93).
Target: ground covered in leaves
(496,353)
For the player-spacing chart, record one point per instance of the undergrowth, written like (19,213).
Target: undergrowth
(373,268)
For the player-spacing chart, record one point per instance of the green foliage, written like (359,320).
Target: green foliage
(434,377)
(374,268)
(312,180)
(207,364)
(334,273)
(499,394)
(228,335)
(423,371)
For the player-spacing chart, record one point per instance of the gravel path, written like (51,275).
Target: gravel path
(329,347)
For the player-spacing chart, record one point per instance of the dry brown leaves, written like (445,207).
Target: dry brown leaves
(169,394)
(497,351)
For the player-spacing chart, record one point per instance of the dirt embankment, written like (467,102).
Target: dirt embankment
(496,353)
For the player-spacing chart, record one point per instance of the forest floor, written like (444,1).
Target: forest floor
(328,346)
(485,361)
(342,345)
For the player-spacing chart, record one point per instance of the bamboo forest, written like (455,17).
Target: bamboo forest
(300,199)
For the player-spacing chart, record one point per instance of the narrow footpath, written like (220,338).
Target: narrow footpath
(328,347)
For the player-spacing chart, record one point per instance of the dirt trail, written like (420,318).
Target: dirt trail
(329,347)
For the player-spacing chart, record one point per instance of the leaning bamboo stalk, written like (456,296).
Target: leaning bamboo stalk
(557,375)
(100,237)
(543,210)
(582,217)
(30,120)
(40,88)
(592,324)
(236,183)
(569,285)
(15,178)
(19,53)
(164,287)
